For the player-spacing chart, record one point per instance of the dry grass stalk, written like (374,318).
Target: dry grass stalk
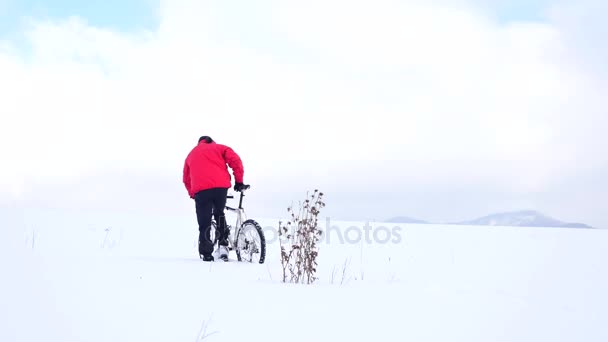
(299,239)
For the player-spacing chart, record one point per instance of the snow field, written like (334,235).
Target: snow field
(128,278)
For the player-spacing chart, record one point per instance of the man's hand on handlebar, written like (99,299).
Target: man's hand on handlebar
(239,187)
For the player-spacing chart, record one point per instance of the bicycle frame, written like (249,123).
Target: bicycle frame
(240,218)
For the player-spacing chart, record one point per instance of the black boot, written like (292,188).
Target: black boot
(207,258)
(201,254)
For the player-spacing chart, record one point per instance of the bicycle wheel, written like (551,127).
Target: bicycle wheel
(212,233)
(251,243)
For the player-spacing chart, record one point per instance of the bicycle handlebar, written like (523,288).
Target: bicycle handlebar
(242,194)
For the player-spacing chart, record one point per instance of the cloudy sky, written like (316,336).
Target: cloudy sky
(439,110)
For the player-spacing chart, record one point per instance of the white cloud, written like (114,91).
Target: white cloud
(375,94)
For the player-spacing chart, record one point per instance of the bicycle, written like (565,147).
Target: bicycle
(244,246)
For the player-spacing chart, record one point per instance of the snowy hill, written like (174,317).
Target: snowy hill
(404,219)
(524,218)
(121,278)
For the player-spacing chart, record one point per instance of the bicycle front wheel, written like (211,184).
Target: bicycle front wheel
(251,243)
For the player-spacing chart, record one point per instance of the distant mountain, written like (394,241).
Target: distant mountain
(524,218)
(404,219)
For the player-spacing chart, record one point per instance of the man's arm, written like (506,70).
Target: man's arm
(186,179)
(235,163)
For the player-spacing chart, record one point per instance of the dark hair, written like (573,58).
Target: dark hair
(206,138)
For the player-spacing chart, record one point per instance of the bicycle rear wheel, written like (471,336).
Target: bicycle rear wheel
(213,232)
(251,243)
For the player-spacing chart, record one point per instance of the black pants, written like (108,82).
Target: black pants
(210,203)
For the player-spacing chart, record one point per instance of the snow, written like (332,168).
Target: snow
(98,277)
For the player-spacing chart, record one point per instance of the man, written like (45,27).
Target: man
(207,181)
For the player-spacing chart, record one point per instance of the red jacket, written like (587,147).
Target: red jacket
(205,167)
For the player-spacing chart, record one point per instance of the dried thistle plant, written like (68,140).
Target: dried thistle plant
(299,239)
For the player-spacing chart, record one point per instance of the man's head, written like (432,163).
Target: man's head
(206,138)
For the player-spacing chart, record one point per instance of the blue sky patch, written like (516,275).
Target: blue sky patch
(119,15)
(517,10)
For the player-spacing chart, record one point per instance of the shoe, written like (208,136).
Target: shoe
(207,257)
(223,252)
